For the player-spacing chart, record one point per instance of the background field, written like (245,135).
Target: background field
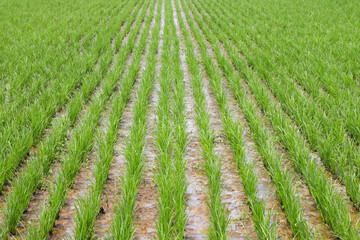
(179,119)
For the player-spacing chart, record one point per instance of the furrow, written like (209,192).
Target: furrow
(218,216)
(146,211)
(65,224)
(196,201)
(122,226)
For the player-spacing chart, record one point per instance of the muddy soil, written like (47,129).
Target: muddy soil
(197,198)
(233,194)
(146,202)
(112,189)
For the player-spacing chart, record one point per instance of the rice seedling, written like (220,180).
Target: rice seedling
(88,206)
(181,138)
(81,142)
(265,142)
(272,141)
(165,171)
(26,183)
(122,226)
(171,138)
(326,135)
(33,121)
(332,206)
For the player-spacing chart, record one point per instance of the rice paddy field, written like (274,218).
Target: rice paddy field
(179,119)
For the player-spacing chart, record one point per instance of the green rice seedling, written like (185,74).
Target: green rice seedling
(88,207)
(324,95)
(181,139)
(27,182)
(218,213)
(232,129)
(326,135)
(81,143)
(330,84)
(332,206)
(171,138)
(11,114)
(36,77)
(42,111)
(164,136)
(86,30)
(265,144)
(122,226)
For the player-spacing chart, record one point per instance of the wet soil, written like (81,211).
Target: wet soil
(112,190)
(197,198)
(146,202)
(233,194)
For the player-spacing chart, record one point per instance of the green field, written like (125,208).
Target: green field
(179,119)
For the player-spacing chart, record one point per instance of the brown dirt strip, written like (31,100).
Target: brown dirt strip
(233,193)
(112,191)
(146,201)
(197,198)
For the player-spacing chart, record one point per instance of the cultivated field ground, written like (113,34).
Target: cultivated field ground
(179,119)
